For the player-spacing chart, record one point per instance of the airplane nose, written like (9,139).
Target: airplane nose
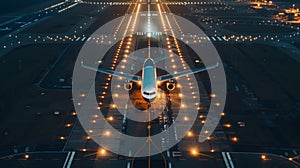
(149,99)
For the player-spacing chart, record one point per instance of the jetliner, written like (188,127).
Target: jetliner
(149,79)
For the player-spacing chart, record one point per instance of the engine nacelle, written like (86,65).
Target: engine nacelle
(170,85)
(128,86)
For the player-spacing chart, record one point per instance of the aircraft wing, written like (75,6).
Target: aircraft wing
(119,74)
(140,59)
(161,58)
(184,73)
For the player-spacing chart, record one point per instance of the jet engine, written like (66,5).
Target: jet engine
(170,85)
(128,85)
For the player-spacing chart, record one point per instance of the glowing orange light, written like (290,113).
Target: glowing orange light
(234,139)
(102,151)
(189,134)
(213,95)
(107,133)
(68,125)
(227,125)
(194,151)
(111,118)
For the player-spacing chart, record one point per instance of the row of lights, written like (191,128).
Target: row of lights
(194,151)
(57,38)
(108,3)
(55,5)
(195,3)
(68,7)
(108,79)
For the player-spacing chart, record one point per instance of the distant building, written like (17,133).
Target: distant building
(289,14)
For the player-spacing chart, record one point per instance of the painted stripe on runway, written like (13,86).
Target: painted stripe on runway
(168,153)
(170,165)
(219,38)
(230,161)
(78,39)
(83,39)
(225,160)
(89,39)
(70,160)
(208,38)
(213,38)
(128,164)
(66,161)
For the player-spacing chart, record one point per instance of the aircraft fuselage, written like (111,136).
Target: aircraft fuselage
(149,80)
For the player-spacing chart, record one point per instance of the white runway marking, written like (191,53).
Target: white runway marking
(69,160)
(227,159)
(78,39)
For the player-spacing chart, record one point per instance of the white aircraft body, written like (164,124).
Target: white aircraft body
(149,79)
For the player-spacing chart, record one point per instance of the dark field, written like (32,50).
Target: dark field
(26,114)
(271,75)
(250,28)
(60,24)
(17,5)
(4,19)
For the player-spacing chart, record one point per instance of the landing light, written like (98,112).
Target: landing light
(189,134)
(213,95)
(26,156)
(234,139)
(102,151)
(111,118)
(68,125)
(194,151)
(107,133)
(227,125)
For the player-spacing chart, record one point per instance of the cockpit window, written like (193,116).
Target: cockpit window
(147,93)
(152,93)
